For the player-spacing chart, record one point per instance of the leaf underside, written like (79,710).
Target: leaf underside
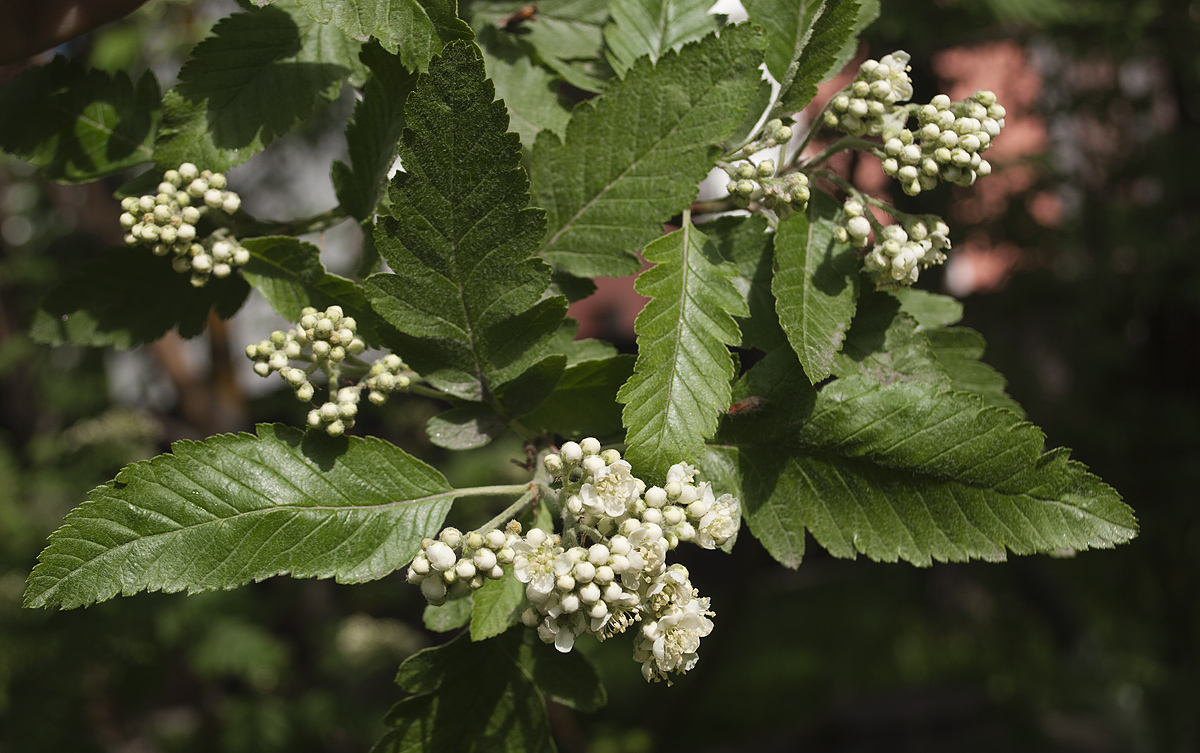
(652,27)
(240,508)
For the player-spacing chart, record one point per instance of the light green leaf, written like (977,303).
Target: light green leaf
(633,157)
(416,30)
(832,31)
(466,289)
(78,124)
(529,91)
(816,285)
(465,427)
(128,297)
(372,134)
(487,695)
(448,617)
(256,77)
(930,310)
(241,508)
(288,273)
(746,243)
(958,350)
(651,27)
(680,383)
(498,606)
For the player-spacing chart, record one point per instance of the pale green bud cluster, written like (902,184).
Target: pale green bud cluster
(749,182)
(385,377)
(774,133)
(455,564)
(902,250)
(947,144)
(322,340)
(165,222)
(863,107)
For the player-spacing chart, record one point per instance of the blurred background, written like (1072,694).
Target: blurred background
(1077,260)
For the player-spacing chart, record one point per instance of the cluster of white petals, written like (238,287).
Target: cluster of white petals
(453,564)
(905,249)
(864,106)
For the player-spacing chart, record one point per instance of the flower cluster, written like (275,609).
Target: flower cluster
(454,564)
(165,221)
(948,143)
(904,249)
(323,340)
(620,579)
(749,182)
(864,106)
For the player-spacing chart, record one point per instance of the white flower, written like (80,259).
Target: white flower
(670,642)
(534,558)
(612,491)
(721,522)
(681,472)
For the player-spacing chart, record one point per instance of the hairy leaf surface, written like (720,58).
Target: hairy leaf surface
(240,508)
(466,290)
(255,78)
(652,27)
(815,286)
(78,124)
(632,157)
(130,296)
(680,383)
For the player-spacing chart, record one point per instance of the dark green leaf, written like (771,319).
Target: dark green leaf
(241,508)
(258,76)
(884,344)
(487,695)
(632,157)
(652,27)
(560,30)
(584,403)
(746,243)
(465,427)
(529,91)
(448,617)
(788,25)
(958,350)
(816,285)
(521,395)
(288,273)
(372,134)
(130,296)
(680,383)
(78,124)
(467,291)
(832,31)
(868,11)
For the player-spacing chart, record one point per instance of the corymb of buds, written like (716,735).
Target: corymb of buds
(609,569)
(322,341)
(749,182)
(165,222)
(863,107)
(947,144)
(774,133)
(904,249)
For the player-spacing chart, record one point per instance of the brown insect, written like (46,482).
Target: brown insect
(512,22)
(750,404)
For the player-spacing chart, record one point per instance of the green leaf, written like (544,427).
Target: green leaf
(256,77)
(465,427)
(78,124)
(746,243)
(521,395)
(529,91)
(487,695)
(448,617)
(633,157)
(680,383)
(832,31)
(372,134)
(241,508)
(498,606)
(868,11)
(584,403)
(928,309)
(788,26)
(559,31)
(467,291)
(958,350)
(416,30)
(651,27)
(884,344)
(130,296)
(288,273)
(816,285)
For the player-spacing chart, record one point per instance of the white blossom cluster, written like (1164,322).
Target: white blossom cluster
(623,577)
(947,145)
(749,182)
(165,221)
(453,564)
(901,250)
(322,340)
(863,107)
